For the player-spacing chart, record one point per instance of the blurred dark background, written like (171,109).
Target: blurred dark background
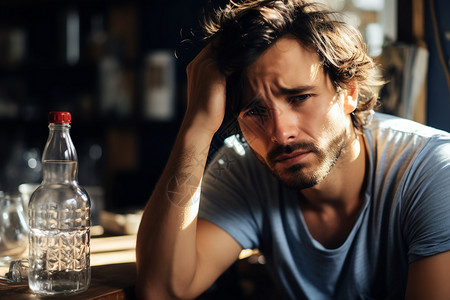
(94,59)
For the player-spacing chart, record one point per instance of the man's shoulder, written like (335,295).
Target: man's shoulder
(394,124)
(397,146)
(406,156)
(398,134)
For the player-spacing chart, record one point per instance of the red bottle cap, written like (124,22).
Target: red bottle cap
(59,117)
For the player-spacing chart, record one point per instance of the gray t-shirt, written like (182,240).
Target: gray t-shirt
(406,215)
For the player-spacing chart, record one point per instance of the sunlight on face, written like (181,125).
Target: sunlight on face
(292,119)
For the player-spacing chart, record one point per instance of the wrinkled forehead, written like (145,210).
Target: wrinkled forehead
(286,65)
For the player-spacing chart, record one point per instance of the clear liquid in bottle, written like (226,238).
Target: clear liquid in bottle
(59,222)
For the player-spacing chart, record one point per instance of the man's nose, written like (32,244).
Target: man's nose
(284,127)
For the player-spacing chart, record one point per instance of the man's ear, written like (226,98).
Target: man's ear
(350,97)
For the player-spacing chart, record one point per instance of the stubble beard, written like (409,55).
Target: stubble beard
(304,175)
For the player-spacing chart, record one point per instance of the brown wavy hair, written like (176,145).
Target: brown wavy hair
(243,30)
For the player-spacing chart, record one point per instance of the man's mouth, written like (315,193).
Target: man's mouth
(291,154)
(295,157)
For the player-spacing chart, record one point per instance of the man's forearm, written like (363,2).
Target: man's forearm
(166,247)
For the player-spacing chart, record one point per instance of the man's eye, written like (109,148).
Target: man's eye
(257,111)
(299,98)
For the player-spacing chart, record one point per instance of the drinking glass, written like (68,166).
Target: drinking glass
(13,229)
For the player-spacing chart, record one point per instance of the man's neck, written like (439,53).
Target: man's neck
(330,208)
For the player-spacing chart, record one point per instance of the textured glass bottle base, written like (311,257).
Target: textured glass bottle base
(59,283)
(59,262)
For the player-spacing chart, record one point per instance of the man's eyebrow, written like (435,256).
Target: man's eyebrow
(297,90)
(284,91)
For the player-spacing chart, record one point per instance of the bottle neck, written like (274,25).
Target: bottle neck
(59,160)
(59,172)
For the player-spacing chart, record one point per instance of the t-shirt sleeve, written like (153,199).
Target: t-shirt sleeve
(227,199)
(427,212)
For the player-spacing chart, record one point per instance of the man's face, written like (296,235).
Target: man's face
(292,117)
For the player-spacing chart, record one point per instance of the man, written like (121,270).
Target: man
(343,203)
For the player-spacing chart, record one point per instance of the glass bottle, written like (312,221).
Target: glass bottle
(59,218)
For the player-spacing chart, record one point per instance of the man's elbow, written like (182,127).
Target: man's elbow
(158,290)
(153,291)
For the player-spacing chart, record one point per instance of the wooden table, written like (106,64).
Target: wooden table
(113,273)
